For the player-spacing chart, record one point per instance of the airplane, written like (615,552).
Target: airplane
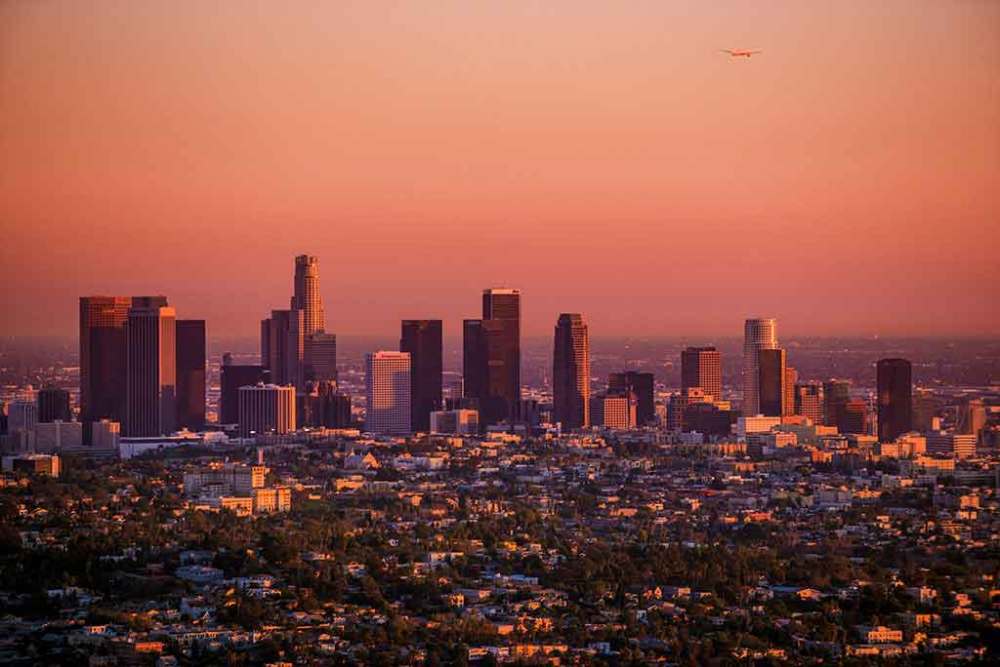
(740,53)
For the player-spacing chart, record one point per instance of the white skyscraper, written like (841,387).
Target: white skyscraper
(387,388)
(759,334)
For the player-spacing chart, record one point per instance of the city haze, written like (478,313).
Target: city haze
(604,159)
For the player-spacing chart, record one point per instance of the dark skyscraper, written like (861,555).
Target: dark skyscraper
(190,335)
(282,352)
(232,378)
(640,384)
(571,372)
(701,368)
(102,358)
(150,368)
(320,357)
(836,394)
(771,382)
(492,356)
(423,340)
(53,405)
(895,398)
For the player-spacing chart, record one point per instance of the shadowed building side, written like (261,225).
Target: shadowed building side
(571,372)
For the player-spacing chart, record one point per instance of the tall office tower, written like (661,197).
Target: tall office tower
(491,357)
(571,372)
(320,357)
(150,368)
(758,334)
(282,347)
(53,405)
(387,389)
(642,385)
(232,377)
(422,339)
(266,408)
(701,368)
(809,402)
(791,379)
(771,371)
(854,417)
(190,335)
(307,297)
(102,358)
(836,394)
(895,398)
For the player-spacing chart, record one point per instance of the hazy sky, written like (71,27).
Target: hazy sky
(602,156)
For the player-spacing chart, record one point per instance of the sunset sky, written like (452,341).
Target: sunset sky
(604,157)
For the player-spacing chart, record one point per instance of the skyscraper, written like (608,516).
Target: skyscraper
(53,405)
(102,358)
(642,385)
(283,347)
(571,372)
(232,377)
(809,402)
(150,368)
(895,398)
(758,334)
(771,382)
(492,356)
(266,408)
(423,340)
(320,357)
(701,368)
(790,380)
(387,390)
(836,394)
(190,336)
(306,296)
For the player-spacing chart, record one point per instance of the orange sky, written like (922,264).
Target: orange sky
(602,156)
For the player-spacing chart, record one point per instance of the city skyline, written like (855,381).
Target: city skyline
(842,158)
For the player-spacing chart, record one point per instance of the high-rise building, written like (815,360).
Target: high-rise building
(971,418)
(387,389)
(642,385)
(320,357)
(232,377)
(895,398)
(701,368)
(102,357)
(267,408)
(190,336)
(53,405)
(22,415)
(790,380)
(150,368)
(758,334)
(771,370)
(571,372)
(282,349)
(836,394)
(926,407)
(853,417)
(619,410)
(492,356)
(809,402)
(423,340)
(307,297)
